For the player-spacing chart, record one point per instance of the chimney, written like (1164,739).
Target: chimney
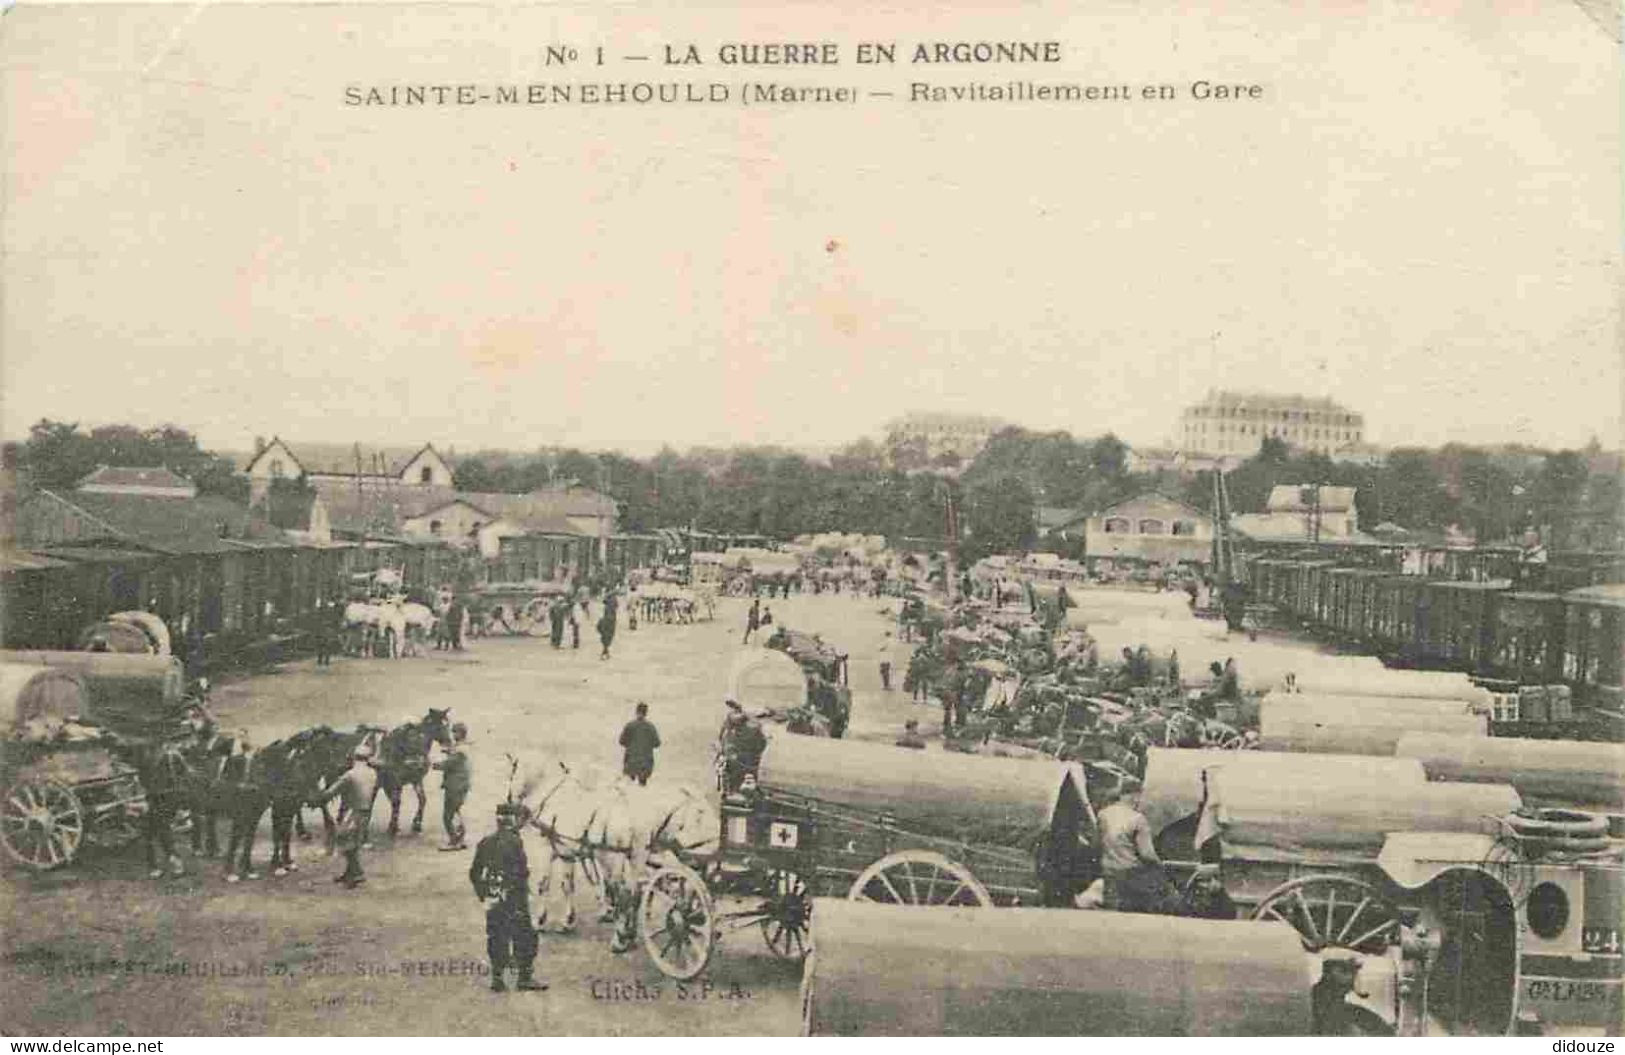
(259,445)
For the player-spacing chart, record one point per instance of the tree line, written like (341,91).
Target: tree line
(1572,497)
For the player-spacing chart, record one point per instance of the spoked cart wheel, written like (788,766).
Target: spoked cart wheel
(786,916)
(677,921)
(41,824)
(1333,912)
(919,877)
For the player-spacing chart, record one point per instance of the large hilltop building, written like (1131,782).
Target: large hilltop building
(1236,424)
(930,436)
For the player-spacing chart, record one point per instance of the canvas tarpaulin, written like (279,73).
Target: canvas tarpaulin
(988,801)
(1258,818)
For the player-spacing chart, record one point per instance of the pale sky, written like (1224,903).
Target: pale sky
(1421,218)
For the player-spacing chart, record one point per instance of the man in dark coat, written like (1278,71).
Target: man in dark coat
(196,662)
(455,613)
(501,875)
(753,620)
(639,738)
(323,632)
(555,620)
(606,626)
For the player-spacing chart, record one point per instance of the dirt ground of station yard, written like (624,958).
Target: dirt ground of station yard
(98,948)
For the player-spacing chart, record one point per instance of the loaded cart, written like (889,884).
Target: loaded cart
(513,608)
(61,784)
(868,822)
(1458,908)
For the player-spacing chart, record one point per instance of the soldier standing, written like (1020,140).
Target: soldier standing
(501,875)
(456,776)
(358,786)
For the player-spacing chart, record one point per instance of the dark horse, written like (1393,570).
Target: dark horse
(401,757)
(164,773)
(283,777)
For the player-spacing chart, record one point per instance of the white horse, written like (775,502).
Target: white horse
(374,626)
(418,625)
(614,831)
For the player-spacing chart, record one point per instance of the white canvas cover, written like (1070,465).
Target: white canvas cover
(1338,819)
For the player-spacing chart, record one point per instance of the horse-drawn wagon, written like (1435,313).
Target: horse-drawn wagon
(871,823)
(1454,917)
(64,780)
(514,608)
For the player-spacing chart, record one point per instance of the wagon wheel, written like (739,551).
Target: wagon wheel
(677,922)
(919,877)
(738,588)
(1333,912)
(786,913)
(41,824)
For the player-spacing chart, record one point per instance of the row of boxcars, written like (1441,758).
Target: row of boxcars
(1484,628)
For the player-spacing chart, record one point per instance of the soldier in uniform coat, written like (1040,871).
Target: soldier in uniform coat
(456,777)
(501,876)
(358,785)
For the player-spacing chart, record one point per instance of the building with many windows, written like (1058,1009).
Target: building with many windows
(1151,529)
(1236,424)
(929,437)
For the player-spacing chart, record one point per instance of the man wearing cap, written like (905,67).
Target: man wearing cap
(501,875)
(742,745)
(456,777)
(358,786)
(1209,899)
(885,662)
(1133,871)
(639,738)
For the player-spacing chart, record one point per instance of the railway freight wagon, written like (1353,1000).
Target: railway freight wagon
(1594,628)
(1484,628)
(1526,638)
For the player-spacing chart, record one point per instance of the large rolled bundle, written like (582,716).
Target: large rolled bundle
(1258,817)
(1368,704)
(891,970)
(1404,684)
(1174,785)
(1571,773)
(993,801)
(127,692)
(117,635)
(30,693)
(765,678)
(1339,731)
(156,630)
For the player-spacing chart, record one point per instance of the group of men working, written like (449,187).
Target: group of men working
(358,785)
